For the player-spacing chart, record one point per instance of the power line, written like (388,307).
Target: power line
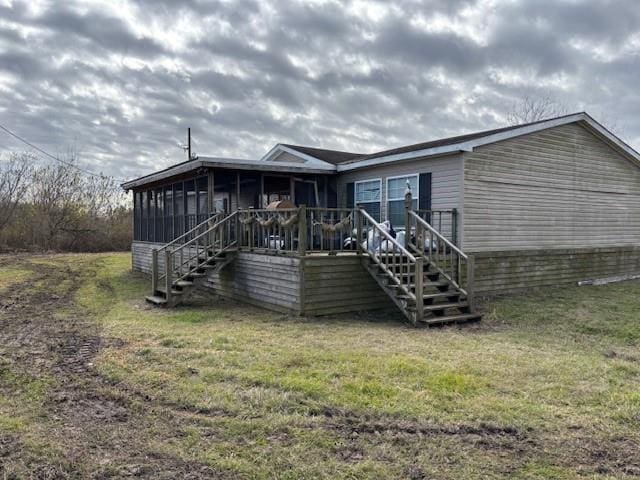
(64,162)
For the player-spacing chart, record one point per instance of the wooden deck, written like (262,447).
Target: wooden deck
(316,262)
(316,284)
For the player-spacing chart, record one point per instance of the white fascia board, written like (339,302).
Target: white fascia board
(266,166)
(615,142)
(226,163)
(398,157)
(167,172)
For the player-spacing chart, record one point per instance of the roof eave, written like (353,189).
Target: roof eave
(399,157)
(227,164)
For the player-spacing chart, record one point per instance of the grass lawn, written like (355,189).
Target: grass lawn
(546,386)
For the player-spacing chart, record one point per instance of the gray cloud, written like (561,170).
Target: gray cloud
(122,85)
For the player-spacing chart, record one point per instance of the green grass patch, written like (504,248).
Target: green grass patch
(10,276)
(543,379)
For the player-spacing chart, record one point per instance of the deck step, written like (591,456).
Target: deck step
(156,300)
(444,306)
(433,296)
(440,283)
(173,291)
(462,318)
(439,306)
(184,283)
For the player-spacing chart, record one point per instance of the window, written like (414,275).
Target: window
(159,230)
(178,211)
(168,213)
(144,212)
(164,213)
(203,196)
(396,187)
(136,216)
(367,195)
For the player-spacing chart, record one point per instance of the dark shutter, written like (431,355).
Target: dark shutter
(424,202)
(350,195)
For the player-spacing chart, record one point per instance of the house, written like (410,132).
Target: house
(548,203)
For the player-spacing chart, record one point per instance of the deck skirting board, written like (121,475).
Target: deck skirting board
(512,271)
(313,285)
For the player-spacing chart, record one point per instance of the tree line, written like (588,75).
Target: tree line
(57,207)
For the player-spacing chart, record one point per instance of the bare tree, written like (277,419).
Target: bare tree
(56,196)
(14,182)
(533,109)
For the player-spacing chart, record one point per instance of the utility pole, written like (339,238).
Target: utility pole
(189,143)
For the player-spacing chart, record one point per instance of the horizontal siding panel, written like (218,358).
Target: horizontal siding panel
(562,187)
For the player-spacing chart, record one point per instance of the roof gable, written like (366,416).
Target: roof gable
(334,157)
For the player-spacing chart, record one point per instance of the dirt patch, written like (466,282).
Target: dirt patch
(99,428)
(616,457)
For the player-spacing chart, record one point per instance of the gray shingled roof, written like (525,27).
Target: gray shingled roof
(337,157)
(332,156)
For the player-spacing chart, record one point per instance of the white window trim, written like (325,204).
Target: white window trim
(416,194)
(355,191)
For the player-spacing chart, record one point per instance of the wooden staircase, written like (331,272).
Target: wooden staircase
(191,258)
(425,283)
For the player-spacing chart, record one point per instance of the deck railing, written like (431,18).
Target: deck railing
(273,231)
(446,257)
(331,230)
(444,221)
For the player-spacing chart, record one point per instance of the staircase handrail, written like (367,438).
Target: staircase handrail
(215,217)
(441,237)
(171,254)
(454,273)
(388,263)
(386,235)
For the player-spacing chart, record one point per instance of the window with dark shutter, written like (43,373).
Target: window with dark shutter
(424,190)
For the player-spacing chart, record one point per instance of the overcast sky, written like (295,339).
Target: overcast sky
(120,81)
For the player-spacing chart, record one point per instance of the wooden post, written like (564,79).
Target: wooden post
(419,281)
(359,227)
(408,199)
(168,279)
(238,190)
(154,271)
(261,203)
(302,230)
(292,190)
(211,192)
(239,232)
(454,226)
(326,192)
(471,273)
